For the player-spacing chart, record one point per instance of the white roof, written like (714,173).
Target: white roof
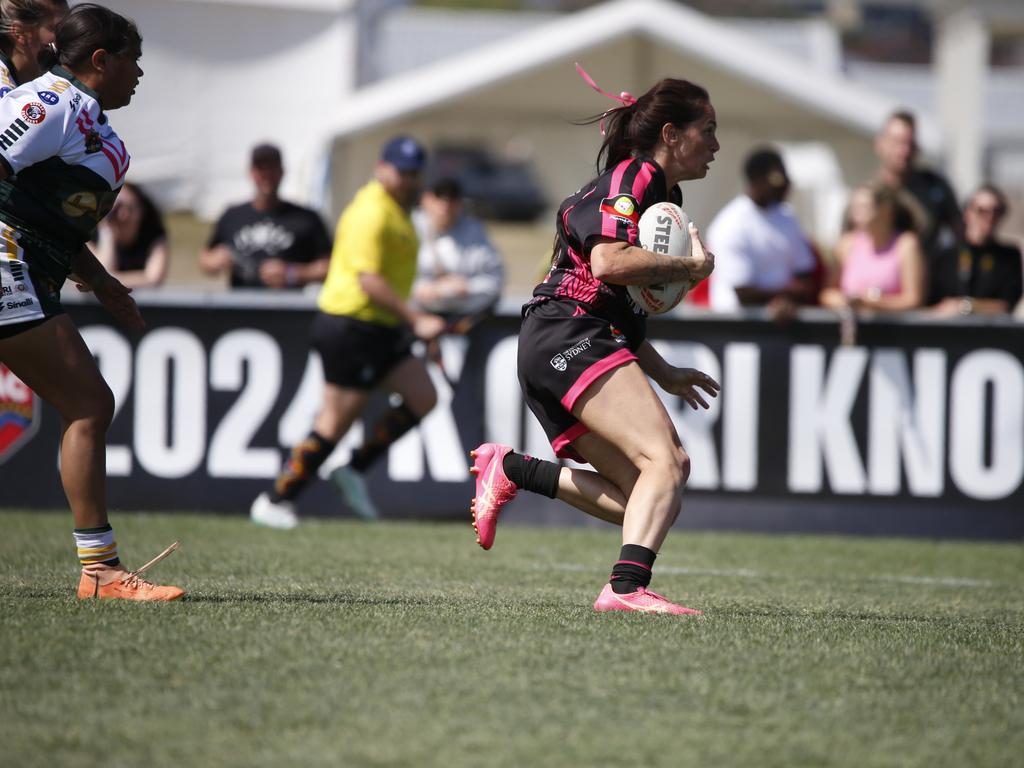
(712,43)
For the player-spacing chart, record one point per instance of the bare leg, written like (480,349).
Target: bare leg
(649,445)
(55,362)
(604,493)
(412,383)
(339,408)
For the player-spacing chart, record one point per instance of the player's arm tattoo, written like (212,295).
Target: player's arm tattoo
(623,264)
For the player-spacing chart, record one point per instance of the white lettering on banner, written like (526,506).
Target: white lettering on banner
(170,389)
(1003,472)
(911,423)
(740,410)
(819,419)
(694,427)
(503,400)
(437,436)
(114,359)
(252,357)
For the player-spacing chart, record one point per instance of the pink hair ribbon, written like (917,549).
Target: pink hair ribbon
(625,97)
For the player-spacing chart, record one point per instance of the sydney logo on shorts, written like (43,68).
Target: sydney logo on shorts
(19,413)
(561,361)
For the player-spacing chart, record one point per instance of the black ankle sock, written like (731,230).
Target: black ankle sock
(633,570)
(531,474)
(391,426)
(302,465)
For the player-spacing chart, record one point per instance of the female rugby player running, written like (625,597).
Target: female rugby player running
(61,167)
(583,358)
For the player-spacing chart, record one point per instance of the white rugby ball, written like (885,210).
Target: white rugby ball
(664,228)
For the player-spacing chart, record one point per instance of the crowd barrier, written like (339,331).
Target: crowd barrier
(916,429)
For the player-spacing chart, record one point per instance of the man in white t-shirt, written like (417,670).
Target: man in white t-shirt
(761,256)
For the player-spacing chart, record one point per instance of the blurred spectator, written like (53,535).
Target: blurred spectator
(268,242)
(459,272)
(878,264)
(761,255)
(131,241)
(925,194)
(982,276)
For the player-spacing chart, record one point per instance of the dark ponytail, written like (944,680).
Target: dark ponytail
(90,27)
(636,128)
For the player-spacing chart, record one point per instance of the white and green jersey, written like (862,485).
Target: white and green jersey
(66,164)
(8,77)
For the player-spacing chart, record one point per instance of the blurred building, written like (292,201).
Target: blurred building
(329,79)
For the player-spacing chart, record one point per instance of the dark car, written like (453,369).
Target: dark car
(495,189)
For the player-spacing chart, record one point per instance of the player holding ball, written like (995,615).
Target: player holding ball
(584,361)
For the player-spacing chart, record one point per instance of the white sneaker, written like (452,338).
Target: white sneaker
(353,488)
(280,515)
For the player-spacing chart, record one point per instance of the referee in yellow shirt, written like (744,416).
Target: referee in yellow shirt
(364,333)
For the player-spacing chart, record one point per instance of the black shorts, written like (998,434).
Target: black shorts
(357,354)
(562,351)
(28,295)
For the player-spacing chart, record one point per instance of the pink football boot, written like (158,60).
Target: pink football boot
(493,490)
(642,600)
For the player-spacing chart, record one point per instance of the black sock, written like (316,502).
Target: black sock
(391,426)
(301,467)
(633,570)
(531,474)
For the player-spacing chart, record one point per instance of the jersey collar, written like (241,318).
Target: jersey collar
(59,71)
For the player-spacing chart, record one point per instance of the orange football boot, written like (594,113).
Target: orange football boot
(107,582)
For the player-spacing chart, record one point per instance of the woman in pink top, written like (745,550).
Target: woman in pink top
(879,264)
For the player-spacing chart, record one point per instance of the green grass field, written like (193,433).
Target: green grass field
(347,644)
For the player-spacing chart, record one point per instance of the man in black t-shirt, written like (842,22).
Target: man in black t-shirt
(268,242)
(924,193)
(981,276)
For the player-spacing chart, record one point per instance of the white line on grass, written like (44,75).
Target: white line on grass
(745,573)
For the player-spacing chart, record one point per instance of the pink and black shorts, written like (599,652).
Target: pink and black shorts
(562,351)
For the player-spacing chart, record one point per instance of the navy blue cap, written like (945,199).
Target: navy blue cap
(405,153)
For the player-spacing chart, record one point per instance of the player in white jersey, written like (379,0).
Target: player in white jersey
(61,167)
(26,31)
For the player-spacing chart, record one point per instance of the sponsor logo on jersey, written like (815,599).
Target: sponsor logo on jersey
(6,290)
(80,204)
(49,97)
(4,91)
(34,112)
(19,304)
(621,207)
(19,413)
(76,101)
(12,133)
(93,142)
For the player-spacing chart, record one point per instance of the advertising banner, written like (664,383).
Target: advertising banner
(916,429)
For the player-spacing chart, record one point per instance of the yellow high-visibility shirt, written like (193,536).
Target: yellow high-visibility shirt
(375,236)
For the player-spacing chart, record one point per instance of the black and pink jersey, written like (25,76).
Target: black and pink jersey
(609,206)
